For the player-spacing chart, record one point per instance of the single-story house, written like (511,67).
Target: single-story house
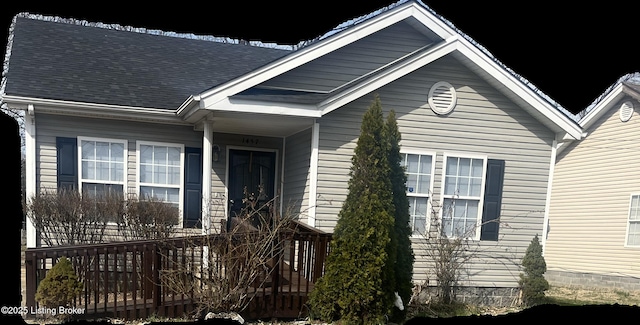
(594,225)
(193,121)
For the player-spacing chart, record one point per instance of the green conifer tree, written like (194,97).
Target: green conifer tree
(359,284)
(532,282)
(402,229)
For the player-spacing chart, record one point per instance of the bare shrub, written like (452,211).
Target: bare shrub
(147,218)
(233,263)
(65,217)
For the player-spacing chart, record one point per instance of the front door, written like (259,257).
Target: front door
(253,170)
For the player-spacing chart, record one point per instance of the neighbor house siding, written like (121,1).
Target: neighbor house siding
(592,184)
(353,60)
(484,122)
(297,177)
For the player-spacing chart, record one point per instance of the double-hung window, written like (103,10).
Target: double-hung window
(160,172)
(102,165)
(419,171)
(633,226)
(463,183)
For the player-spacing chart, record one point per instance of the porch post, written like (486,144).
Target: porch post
(207,143)
(30,169)
(313,174)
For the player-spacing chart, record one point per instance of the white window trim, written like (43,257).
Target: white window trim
(125,162)
(431,182)
(181,186)
(443,196)
(628,221)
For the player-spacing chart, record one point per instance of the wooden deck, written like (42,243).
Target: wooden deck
(124,280)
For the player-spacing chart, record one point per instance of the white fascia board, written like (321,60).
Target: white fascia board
(53,106)
(393,73)
(488,65)
(310,53)
(602,107)
(248,106)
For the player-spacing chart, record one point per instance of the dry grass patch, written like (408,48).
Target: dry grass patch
(571,295)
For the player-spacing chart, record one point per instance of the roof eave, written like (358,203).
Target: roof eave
(61,107)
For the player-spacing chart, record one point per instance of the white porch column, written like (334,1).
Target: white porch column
(30,169)
(313,176)
(545,225)
(207,144)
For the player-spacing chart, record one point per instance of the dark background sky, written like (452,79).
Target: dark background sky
(572,53)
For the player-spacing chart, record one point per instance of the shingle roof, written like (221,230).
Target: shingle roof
(71,62)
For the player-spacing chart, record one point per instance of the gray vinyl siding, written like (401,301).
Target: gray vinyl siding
(592,185)
(353,60)
(297,177)
(484,122)
(51,126)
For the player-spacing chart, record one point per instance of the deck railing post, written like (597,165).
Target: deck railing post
(30,277)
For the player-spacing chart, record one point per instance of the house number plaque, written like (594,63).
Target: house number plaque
(252,141)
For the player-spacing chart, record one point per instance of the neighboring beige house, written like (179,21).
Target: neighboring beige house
(189,120)
(593,237)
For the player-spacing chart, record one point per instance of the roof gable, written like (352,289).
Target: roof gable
(627,85)
(446,40)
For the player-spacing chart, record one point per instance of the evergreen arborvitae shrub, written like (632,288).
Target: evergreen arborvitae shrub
(532,282)
(60,286)
(358,284)
(402,227)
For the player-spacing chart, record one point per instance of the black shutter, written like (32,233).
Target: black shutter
(492,200)
(192,187)
(67,162)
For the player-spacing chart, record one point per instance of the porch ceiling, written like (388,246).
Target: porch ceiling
(259,124)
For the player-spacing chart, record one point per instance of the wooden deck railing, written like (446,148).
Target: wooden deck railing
(123,279)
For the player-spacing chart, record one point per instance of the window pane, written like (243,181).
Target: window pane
(424,182)
(450,185)
(174,156)
(412,163)
(160,174)
(412,180)
(146,192)
(475,187)
(174,176)
(463,186)
(88,150)
(425,164)
(464,167)
(160,155)
(117,172)
(476,168)
(173,195)
(117,152)
(146,154)
(146,175)
(102,151)
(452,166)
(90,168)
(102,171)
(419,225)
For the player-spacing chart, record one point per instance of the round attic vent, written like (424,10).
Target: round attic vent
(442,98)
(626,110)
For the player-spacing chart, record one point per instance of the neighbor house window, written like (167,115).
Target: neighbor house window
(633,230)
(102,165)
(160,172)
(462,204)
(419,170)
